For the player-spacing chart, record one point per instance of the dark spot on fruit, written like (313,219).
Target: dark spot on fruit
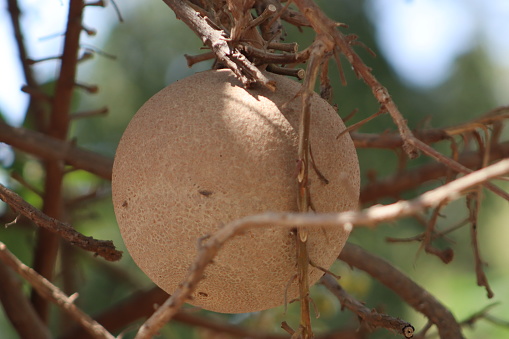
(205,193)
(203,294)
(124,204)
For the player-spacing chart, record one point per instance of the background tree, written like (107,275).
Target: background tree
(62,166)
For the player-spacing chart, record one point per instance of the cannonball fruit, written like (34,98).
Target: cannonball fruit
(206,151)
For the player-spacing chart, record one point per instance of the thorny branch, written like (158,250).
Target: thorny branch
(216,40)
(326,30)
(371,318)
(473,202)
(405,180)
(412,293)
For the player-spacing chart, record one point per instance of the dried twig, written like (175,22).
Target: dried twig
(484,314)
(393,140)
(194,59)
(473,202)
(216,40)
(370,318)
(394,185)
(446,255)
(360,123)
(103,248)
(454,165)
(327,31)
(406,288)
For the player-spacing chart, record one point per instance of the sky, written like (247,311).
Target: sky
(420,38)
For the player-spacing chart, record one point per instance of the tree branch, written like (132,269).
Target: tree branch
(327,29)
(371,318)
(103,248)
(431,152)
(216,40)
(403,181)
(406,288)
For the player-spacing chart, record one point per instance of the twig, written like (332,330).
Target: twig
(215,39)
(103,248)
(453,165)
(447,254)
(293,17)
(484,314)
(291,47)
(326,29)
(436,235)
(371,318)
(406,180)
(274,58)
(360,123)
(88,114)
(473,204)
(266,14)
(393,141)
(369,216)
(299,73)
(406,288)
(287,328)
(194,59)
(52,293)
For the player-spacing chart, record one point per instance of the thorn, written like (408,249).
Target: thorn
(15,221)
(36,93)
(194,59)
(88,88)
(89,31)
(86,114)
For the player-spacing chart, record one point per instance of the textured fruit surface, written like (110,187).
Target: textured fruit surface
(204,151)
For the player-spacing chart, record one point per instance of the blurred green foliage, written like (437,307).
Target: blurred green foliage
(149,49)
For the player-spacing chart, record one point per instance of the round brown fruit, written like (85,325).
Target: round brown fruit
(205,151)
